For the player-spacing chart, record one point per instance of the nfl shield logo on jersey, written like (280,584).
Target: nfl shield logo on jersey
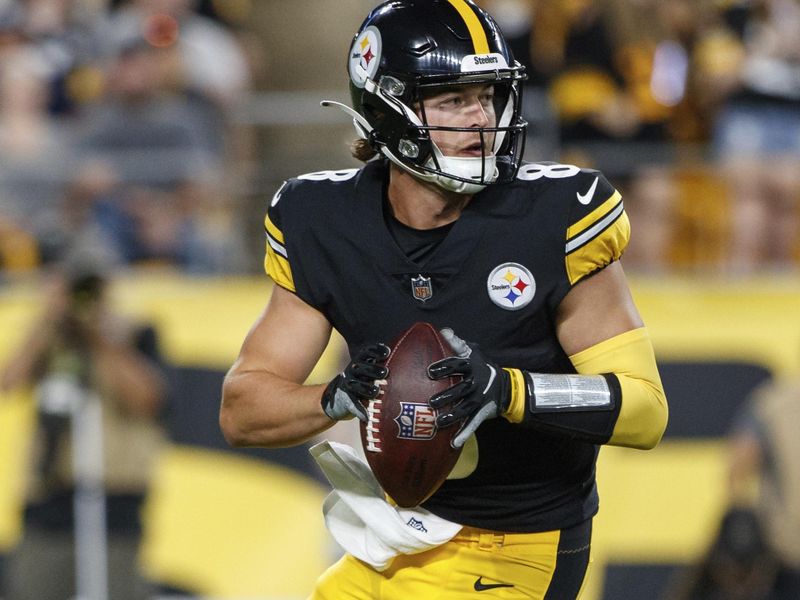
(421,288)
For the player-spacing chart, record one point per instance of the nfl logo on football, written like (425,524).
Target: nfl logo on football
(421,288)
(416,421)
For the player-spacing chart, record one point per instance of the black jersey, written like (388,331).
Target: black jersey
(496,279)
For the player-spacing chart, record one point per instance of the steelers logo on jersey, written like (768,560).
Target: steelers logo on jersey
(511,286)
(365,56)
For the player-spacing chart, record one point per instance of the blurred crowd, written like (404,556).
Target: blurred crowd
(691,107)
(115,131)
(118,128)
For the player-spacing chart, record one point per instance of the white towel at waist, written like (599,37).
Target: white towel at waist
(361,520)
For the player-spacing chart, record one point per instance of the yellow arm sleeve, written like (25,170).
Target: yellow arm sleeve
(643,414)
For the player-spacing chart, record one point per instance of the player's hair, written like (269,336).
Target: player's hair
(362,150)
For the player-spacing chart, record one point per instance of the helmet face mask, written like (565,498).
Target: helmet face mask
(408,51)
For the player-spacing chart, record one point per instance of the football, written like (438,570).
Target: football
(409,456)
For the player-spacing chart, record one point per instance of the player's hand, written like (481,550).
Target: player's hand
(483,393)
(345,395)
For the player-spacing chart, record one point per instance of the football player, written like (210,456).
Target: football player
(517,263)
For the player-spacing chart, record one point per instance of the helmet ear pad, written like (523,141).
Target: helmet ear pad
(393,130)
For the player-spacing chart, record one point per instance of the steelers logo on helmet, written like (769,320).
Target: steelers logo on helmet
(511,286)
(365,56)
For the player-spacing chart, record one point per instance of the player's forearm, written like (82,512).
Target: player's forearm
(624,407)
(261,409)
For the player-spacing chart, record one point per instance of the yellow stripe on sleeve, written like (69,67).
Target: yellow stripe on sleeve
(597,239)
(599,251)
(279,269)
(273,230)
(476,32)
(593,217)
(276,264)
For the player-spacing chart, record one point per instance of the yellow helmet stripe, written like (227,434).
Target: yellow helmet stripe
(476,32)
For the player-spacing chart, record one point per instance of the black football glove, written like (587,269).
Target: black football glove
(345,395)
(483,393)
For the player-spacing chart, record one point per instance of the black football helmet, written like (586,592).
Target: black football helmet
(406,49)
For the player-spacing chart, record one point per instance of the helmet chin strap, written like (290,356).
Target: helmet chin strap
(465,167)
(483,169)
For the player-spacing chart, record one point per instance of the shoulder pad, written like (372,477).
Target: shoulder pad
(293,201)
(598,229)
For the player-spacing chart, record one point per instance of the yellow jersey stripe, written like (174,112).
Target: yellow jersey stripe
(597,228)
(593,216)
(272,230)
(279,269)
(476,32)
(602,248)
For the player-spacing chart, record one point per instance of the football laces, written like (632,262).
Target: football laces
(373,429)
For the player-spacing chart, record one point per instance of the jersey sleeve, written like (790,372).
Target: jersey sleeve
(598,229)
(277,262)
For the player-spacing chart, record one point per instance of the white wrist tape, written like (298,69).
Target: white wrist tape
(555,393)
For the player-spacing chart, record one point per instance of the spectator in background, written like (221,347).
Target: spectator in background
(79,348)
(82,93)
(737,566)
(141,225)
(637,85)
(757,135)
(145,131)
(599,61)
(765,475)
(212,67)
(674,196)
(33,148)
(599,71)
(211,71)
(165,167)
(755,554)
(68,35)
(213,63)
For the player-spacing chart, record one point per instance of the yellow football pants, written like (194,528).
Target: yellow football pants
(475,564)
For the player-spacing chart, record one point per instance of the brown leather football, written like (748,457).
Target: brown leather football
(409,456)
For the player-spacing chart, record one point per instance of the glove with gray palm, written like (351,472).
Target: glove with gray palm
(346,393)
(483,392)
